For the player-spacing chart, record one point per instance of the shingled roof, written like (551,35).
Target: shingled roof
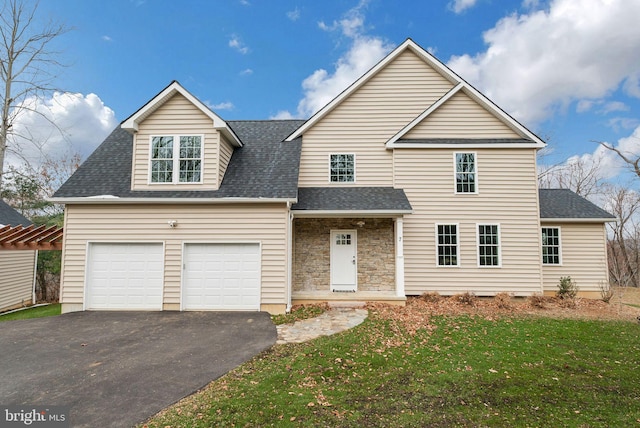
(374,199)
(565,204)
(11,217)
(265,167)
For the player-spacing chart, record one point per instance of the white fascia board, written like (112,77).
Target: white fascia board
(350,213)
(409,145)
(118,200)
(131,123)
(577,220)
(423,115)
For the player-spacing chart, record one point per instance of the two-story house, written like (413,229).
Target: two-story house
(409,181)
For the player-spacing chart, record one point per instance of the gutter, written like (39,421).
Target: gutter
(108,199)
(577,220)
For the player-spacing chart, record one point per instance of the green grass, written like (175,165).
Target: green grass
(461,371)
(39,312)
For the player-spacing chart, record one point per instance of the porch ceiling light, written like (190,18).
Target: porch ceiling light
(360,223)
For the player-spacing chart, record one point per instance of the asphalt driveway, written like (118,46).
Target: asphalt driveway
(118,368)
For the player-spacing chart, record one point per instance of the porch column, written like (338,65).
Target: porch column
(399,257)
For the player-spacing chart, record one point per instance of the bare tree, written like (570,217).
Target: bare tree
(624,241)
(630,158)
(27,63)
(583,177)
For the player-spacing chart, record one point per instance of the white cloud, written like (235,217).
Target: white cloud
(459,6)
(623,123)
(321,86)
(540,62)
(246,72)
(107,38)
(282,115)
(364,52)
(220,106)
(613,106)
(81,123)
(294,14)
(238,45)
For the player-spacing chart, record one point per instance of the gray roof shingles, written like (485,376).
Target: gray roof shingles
(11,217)
(351,199)
(265,167)
(563,203)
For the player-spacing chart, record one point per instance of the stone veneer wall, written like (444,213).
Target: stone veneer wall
(312,253)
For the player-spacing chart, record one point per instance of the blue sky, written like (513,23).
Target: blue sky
(567,69)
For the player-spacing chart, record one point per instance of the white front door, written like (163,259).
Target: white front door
(344,263)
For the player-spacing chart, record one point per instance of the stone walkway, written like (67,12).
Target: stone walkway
(331,322)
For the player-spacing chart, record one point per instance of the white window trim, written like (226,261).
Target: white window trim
(329,169)
(499,265)
(457,225)
(455,172)
(559,246)
(176,159)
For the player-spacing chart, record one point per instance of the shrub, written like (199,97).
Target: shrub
(567,288)
(433,297)
(606,293)
(537,301)
(467,298)
(503,300)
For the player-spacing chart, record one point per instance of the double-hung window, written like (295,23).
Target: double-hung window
(551,254)
(488,245)
(466,175)
(447,244)
(342,168)
(176,159)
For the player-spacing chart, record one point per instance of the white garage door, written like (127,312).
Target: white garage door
(125,276)
(221,277)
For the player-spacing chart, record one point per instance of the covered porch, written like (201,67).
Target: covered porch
(347,245)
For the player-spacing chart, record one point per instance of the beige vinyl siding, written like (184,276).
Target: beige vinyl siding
(583,254)
(176,117)
(461,117)
(16,281)
(226,151)
(264,223)
(507,195)
(364,121)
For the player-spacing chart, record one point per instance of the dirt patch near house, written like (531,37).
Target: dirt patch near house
(418,309)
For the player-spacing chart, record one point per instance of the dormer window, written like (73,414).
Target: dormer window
(176,159)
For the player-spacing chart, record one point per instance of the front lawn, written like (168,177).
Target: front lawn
(38,312)
(409,367)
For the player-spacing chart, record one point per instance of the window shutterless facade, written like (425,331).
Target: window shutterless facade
(489,245)
(176,159)
(342,168)
(466,175)
(551,254)
(447,244)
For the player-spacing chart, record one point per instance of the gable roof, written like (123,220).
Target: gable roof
(131,123)
(360,200)
(263,168)
(446,72)
(564,204)
(11,217)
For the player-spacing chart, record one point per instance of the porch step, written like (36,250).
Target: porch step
(346,304)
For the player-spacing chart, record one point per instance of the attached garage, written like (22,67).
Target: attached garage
(221,276)
(125,276)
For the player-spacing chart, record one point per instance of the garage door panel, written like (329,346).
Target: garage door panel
(125,276)
(221,277)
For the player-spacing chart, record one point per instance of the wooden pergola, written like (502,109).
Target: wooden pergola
(30,238)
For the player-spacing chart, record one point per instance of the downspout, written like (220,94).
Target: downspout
(289,254)
(35,274)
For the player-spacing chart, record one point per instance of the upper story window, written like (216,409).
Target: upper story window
(176,159)
(342,168)
(551,254)
(466,173)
